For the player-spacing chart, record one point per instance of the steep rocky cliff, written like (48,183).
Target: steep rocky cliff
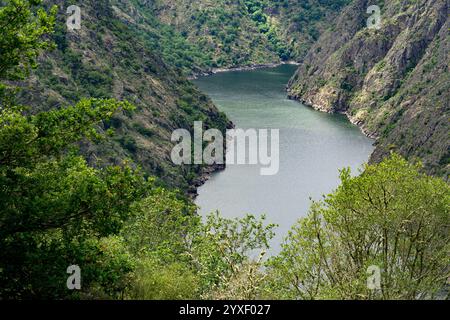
(393,81)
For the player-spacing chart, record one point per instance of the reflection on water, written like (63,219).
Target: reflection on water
(313,147)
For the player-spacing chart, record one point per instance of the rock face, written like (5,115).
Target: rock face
(393,81)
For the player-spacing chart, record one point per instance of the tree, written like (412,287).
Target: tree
(55,210)
(390,217)
(24,28)
(181,257)
(228,254)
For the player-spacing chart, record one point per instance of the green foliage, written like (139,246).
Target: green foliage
(128,143)
(171,242)
(256,9)
(55,210)
(22,40)
(129,238)
(221,35)
(161,223)
(156,281)
(23,29)
(223,246)
(175,49)
(106,64)
(135,240)
(391,216)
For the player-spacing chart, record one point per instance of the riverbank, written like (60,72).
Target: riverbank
(204,176)
(243,68)
(354,120)
(206,173)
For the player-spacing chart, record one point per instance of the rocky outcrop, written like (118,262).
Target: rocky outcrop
(393,81)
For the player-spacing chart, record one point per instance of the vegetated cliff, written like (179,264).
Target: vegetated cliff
(125,50)
(223,29)
(238,33)
(300,23)
(393,82)
(109,57)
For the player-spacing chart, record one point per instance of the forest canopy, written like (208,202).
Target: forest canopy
(134,239)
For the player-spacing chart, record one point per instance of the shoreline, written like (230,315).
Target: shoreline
(373,136)
(203,178)
(243,68)
(351,119)
(206,173)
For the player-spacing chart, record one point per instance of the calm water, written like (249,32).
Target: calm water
(313,147)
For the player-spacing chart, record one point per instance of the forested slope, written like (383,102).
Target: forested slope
(76,230)
(248,32)
(170,41)
(113,57)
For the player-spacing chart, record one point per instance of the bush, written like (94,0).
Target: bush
(391,217)
(156,281)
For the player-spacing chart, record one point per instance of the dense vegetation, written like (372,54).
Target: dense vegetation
(100,61)
(114,222)
(247,32)
(134,239)
(390,217)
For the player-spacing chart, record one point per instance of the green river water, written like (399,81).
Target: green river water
(313,147)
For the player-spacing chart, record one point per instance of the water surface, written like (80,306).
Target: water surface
(313,147)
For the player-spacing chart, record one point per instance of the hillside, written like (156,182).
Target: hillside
(170,41)
(300,23)
(223,29)
(93,208)
(100,61)
(393,82)
(241,33)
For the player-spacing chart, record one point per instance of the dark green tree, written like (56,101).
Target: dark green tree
(55,210)
(24,29)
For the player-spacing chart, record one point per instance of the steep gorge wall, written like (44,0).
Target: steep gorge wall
(392,82)
(110,58)
(237,33)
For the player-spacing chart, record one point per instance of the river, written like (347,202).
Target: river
(313,147)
